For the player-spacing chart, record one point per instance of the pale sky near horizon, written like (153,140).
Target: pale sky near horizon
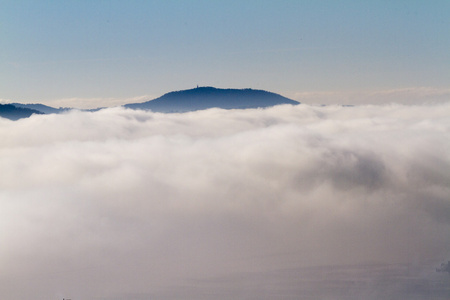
(104,53)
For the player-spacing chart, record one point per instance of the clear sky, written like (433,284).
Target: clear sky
(104,53)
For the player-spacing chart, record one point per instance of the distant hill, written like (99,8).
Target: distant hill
(179,101)
(208,97)
(12,112)
(42,108)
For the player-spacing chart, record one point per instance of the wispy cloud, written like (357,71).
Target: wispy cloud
(89,103)
(411,95)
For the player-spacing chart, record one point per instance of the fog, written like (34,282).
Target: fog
(290,202)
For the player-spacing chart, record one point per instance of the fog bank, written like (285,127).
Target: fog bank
(221,204)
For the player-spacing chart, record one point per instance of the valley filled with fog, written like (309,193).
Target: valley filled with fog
(288,202)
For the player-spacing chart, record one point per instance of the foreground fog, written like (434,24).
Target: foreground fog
(283,203)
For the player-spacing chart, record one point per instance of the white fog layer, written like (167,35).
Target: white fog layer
(290,202)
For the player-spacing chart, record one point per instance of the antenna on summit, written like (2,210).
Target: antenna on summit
(197,85)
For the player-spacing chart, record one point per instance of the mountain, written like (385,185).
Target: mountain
(179,101)
(12,112)
(208,97)
(42,108)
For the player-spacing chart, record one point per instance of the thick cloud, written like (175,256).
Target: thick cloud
(217,204)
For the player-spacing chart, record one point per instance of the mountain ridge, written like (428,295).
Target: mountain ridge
(200,98)
(42,108)
(11,112)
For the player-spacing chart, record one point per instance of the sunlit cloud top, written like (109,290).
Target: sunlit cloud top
(120,204)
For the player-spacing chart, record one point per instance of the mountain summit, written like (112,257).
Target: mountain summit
(208,97)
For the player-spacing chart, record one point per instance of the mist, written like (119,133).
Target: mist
(289,202)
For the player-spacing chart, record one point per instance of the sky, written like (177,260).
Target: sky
(89,54)
(289,202)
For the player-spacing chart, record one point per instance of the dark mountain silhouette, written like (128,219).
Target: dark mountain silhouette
(42,108)
(179,101)
(208,97)
(12,112)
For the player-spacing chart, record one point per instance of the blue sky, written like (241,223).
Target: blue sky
(101,53)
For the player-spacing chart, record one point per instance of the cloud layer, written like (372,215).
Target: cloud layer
(410,96)
(123,204)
